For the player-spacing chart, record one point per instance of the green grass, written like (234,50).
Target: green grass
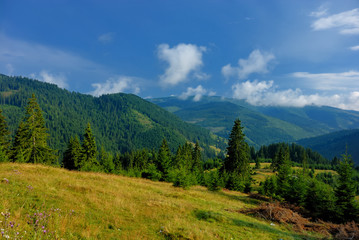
(78,205)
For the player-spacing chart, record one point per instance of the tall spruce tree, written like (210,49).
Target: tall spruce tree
(31,137)
(197,167)
(164,159)
(347,208)
(284,170)
(89,151)
(236,164)
(237,160)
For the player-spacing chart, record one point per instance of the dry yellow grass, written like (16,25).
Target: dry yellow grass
(101,206)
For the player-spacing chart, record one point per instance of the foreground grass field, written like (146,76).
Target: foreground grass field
(40,202)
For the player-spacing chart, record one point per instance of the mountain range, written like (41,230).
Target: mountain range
(265,124)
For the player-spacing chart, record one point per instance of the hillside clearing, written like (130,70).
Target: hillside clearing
(78,205)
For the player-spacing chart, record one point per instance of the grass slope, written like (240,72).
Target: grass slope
(49,203)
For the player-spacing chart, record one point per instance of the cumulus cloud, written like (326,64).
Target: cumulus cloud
(347,22)
(59,79)
(197,93)
(116,85)
(330,81)
(257,62)
(182,60)
(106,38)
(354,48)
(264,93)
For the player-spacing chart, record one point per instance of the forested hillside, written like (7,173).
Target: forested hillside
(120,122)
(262,124)
(335,144)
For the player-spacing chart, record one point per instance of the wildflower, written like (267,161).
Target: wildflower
(6,180)
(44,231)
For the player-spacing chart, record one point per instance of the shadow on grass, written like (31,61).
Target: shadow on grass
(244,199)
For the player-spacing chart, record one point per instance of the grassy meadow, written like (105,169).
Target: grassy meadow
(41,202)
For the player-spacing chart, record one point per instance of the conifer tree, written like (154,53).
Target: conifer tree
(197,167)
(4,135)
(16,152)
(89,151)
(347,208)
(32,135)
(72,155)
(164,158)
(284,170)
(237,160)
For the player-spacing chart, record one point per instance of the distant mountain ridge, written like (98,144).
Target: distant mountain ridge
(120,122)
(262,125)
(335,144)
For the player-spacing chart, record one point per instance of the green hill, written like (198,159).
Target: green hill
(262,125)
(41,202)
(120,122)
(335,144)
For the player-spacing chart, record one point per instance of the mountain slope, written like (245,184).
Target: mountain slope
(120,122)
(53,203)
(262,125)
(335,144)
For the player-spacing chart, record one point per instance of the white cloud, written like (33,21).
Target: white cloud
(60,80)
(266,94)
(257,62)
(197,93)
(347,22)
(322,11)
(116,85)
(330,81)
(183,59)
(106,38)
(354,48)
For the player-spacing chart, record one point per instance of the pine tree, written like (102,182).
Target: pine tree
(347,209)
(236,163)
(197,168)
(89,151)
(32,135)
(72,155)
(284,170)
(164,159)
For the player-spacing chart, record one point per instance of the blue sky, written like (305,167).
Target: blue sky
(280,52)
